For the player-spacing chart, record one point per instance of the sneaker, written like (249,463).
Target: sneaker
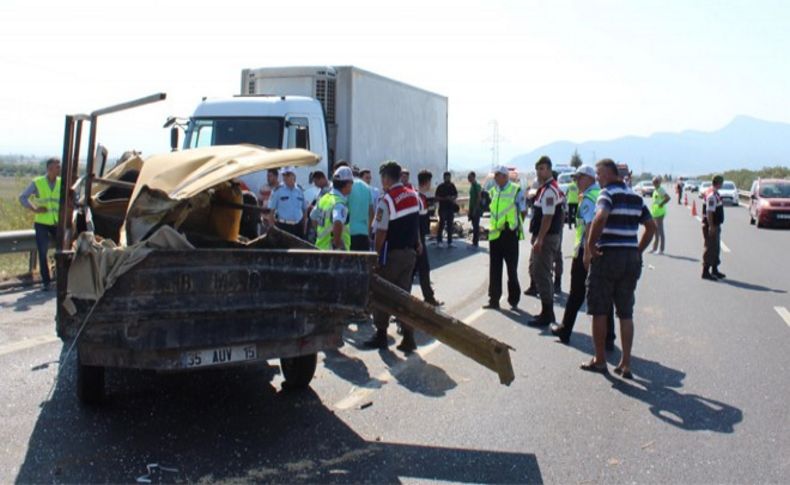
(661,253)
(491,306)
(708,276)
(531,291)
(652,251)
(434,302)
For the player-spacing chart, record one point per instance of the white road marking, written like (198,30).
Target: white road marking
(360,394)
(724,247)
(782,311)
(27,343)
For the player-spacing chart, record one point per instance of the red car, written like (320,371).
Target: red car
(770,203)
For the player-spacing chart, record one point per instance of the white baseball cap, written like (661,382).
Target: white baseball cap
(501,169)
(343,174)
(287,170)
(585,170)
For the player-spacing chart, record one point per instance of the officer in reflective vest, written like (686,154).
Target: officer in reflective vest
(506,229)
(45,194)
(397,244)
(658,210)
(573,202)
(331,213)
(585,178)
(712,219)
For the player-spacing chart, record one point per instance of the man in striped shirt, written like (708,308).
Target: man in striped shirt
(614,258)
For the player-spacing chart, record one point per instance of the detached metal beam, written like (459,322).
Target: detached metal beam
(476,345)
(129,104)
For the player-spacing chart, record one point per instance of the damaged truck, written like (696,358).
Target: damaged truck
(153,273)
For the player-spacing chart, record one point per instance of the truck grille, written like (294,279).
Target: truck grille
(325,93)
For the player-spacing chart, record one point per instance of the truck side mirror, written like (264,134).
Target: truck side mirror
(174,138)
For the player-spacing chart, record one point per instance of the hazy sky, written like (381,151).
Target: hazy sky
(547,71)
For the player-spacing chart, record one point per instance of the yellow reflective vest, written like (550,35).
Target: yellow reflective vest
(504,211)
(48,198)
(326,205)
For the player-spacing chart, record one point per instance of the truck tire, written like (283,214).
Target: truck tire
(298,371)
(90,384)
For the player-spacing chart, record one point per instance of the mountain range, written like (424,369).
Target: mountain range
(745,142)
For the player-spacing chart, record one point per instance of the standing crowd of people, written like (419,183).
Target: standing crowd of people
(347,213)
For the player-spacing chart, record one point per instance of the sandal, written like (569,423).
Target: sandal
(592,367)
(625,373)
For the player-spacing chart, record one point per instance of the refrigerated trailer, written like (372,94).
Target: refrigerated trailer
(362,117)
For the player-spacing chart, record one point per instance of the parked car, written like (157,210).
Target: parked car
(644,188)
(769,203)
(691,185)
(729,193)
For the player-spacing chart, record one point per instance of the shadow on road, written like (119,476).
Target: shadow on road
(750,286)
(441,256)
(232,426)
(655,384)
(30,298)
(681,258)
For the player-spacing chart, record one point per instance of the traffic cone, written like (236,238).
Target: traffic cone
(686,200)
(693,208)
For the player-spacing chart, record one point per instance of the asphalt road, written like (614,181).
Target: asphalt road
(709,402)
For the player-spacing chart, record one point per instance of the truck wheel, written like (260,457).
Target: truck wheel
(90,384)
(298,371)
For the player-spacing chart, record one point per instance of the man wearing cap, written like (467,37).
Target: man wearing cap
(585,181)
(397,244)
(505,231)
(545,227)
(331,213)
(288,204)
(712,219)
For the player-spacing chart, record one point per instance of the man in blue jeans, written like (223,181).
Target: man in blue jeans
(45,194)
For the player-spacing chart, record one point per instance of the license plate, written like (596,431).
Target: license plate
(783,216)
(219,356)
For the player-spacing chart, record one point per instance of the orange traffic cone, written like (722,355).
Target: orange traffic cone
(693,208)
(686,200)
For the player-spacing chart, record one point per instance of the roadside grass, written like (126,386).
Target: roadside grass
(13,217)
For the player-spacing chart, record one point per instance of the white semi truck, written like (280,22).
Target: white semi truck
(340,113)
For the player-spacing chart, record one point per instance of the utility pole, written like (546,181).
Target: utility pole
(494,124)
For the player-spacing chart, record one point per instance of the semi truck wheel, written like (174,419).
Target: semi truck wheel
(298,371)
(90,384)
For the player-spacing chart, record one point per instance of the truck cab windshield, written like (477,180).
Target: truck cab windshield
(266,132)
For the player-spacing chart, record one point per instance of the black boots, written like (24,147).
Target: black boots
(407,345)
(532,290)
(379,341)
(718,274)
(546,316)
(706,275)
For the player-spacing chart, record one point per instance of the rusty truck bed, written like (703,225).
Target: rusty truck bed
(286,303)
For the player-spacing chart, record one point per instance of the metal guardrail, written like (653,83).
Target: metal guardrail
(22,241)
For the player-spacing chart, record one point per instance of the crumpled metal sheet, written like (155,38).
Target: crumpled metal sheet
(168,182)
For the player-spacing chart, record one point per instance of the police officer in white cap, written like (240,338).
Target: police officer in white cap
(288,204)
(505,230)
(331,213)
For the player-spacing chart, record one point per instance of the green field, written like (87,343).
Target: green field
(12,217)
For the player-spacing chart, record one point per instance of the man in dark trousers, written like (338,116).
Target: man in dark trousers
(588,193)
(423,266)
(546,228)
(712,219)
(397,244)
(45,191)
(475,208)
(507,208)
(446,194)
